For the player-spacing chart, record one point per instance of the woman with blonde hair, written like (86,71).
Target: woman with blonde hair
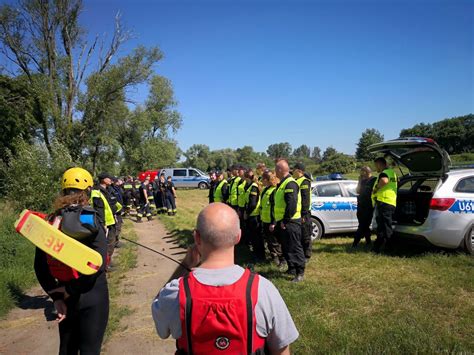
(81,301)
(270,181)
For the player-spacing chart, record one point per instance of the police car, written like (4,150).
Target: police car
(433,203)
(187,177)
(333,207)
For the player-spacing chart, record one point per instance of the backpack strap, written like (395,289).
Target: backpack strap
(188,311)
(248,297)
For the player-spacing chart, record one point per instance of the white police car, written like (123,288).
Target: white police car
(333,207)
(187,177)
(433,203)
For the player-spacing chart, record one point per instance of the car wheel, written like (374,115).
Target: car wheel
(469,241)
(202,185)
(317,229)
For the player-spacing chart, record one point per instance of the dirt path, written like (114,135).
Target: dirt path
(140,286)
(31,329)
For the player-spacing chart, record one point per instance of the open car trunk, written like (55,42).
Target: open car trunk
(413,200)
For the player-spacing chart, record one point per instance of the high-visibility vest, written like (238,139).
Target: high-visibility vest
(109,216)
(127,186)
(218,192)
(233,196)
(300,181)
(280,203)
(265,205)
(248,192)
(388,193)
(241,199)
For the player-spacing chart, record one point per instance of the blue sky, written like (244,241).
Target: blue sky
(312,72)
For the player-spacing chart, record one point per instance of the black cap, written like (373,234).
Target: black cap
(103,176)
(298,166)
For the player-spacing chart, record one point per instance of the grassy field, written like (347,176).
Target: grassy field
(415,300)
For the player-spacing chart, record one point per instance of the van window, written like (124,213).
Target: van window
(466,185)
(179,172)
(193,173)
(329,190)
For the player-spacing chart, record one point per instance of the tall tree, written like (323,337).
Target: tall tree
(369,136)
(45,42)
(329,153)
(316,155)
(197,156)
(303,151)
(279,150)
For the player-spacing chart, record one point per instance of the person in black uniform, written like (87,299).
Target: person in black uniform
(212,185)
(144,203)
(170,197)
(304,182)
(81,301)
(365,209)
(105,181)
(160,195)
(288,222)
(252,219)
(116,190)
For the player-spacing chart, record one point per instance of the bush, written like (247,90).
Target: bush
(338,162)
(32,176)
(462,158)
(16,261)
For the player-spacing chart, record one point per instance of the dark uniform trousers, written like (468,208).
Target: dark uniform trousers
(290,240)
(306,231)
(384,217)
(255,237)
(111,239)
(274,246)
(364,217)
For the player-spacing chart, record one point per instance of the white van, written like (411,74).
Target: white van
(187,177)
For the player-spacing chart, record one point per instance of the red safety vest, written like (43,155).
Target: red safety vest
(219,319)
(58,270)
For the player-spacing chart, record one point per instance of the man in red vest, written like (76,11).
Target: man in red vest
(219,307)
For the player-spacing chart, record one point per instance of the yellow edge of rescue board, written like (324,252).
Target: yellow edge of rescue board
(57,244)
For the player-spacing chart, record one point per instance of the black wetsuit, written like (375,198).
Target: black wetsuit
(83,328)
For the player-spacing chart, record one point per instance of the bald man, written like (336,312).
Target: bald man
(287,214)
(220,307)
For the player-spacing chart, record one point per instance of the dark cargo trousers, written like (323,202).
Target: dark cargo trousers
(384,217)
(306,231)
(292,248)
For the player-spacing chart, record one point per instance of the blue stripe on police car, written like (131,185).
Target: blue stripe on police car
(331,206)
(462,206)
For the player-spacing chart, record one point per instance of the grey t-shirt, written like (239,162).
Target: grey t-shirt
(274,321)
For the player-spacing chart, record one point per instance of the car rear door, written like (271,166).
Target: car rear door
(422,156)
(333,206)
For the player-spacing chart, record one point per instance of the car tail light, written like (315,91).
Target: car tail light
(441,204)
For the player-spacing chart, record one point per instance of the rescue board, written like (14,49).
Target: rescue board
(57,244)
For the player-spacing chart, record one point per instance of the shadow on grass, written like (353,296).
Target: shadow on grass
(398,247)
(24,301)
(184,237)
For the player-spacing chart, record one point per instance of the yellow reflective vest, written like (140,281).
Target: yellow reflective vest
(280,203)
(218,192)
(233,194)
(109,216)
(388,193)
(265,204)
(248,192)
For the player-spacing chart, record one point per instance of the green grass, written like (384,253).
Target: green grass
(415,300)
(16,262)
(123,261)
(189,203)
